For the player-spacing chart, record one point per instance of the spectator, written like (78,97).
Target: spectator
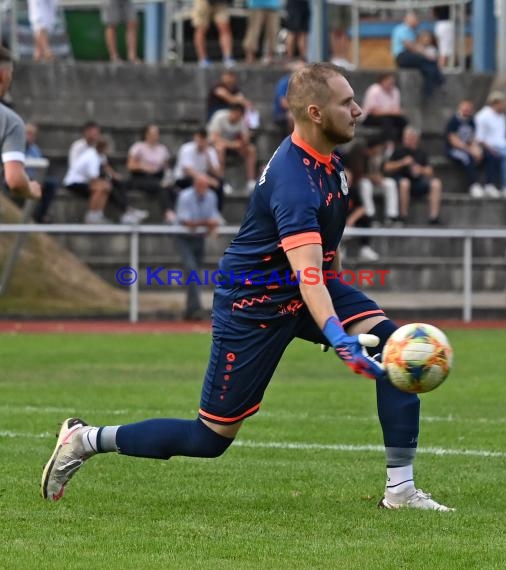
(197,210)
(262,14)
(408,54)
(148,163)
(298,15)
(84,177)
(114,12)
(281,115)
(462,148)
(382,107)
(491,134)
(203,12)
(444,30)
(42,16)
(409,165)
(225,93)
(427,44)
(230,135)
(91,134)
(196,158)
(48,184)
(340,47)
(358,218)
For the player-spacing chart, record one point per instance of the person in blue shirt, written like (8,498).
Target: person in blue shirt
(278,281)
(408,54)
(281,114)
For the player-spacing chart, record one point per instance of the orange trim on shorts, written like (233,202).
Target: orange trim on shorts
(323,158)
(361,315)
(291,242)
(211,417)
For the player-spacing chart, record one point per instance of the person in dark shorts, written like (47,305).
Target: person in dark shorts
(298,16)
(278,281)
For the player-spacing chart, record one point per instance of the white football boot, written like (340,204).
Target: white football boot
(68,456)
(411,499)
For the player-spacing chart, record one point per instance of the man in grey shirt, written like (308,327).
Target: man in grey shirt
(12,139)
(197,209)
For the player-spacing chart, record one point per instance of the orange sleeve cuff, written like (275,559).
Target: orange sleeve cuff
(291,242)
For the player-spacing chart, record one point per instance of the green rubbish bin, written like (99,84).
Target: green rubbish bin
(86,35)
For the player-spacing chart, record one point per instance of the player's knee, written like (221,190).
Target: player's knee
(209,443)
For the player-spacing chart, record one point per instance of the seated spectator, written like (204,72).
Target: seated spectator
(230,135)
(491,134)
(366,165)
(281,114)
(197,209)
(358,218)
(382,107)
(262,14)
(91,134)
(42,16)
(148,163)
(340,47)
(298,16)
(196,158)
(408,54)
(84,177)
(48,184)
(113,13)
(225,93)
(427,44)
(444,30)
(203,12)
(410,167)
(462,148)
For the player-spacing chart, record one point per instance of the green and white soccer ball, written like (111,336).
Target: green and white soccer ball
(417,358)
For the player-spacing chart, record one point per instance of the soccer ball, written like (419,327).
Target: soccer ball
(417,358)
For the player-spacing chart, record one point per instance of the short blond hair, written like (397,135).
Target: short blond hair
(310,86)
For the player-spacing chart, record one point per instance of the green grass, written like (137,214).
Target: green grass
(253,507)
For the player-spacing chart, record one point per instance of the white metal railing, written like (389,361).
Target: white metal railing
(466,235)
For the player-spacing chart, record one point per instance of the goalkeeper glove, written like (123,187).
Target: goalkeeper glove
(352,349)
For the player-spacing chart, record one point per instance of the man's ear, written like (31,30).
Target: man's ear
(314,113)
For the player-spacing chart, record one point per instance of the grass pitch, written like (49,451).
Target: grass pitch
(258,506)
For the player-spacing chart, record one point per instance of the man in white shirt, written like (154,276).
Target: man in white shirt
(91,134)
(198,157)
(230,135)
(491,134)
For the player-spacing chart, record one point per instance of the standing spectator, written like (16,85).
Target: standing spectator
(444,30)
(196,158)
(225,93)
(408,54)
(85,178)
(113,13)
(427,44)
(203,12)
(298,16)
(262,14)
(148,161)
(462,148)
(48,184)
(197,210)
(91,134)
(382,107)
(281,114)
(491,134)
(409,165)
(42,16)
(230,135)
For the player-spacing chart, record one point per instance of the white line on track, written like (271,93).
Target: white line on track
(304,446)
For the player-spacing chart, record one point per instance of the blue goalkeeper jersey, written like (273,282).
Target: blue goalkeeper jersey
(301,198)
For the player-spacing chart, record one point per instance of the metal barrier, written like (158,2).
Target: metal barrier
(466,235)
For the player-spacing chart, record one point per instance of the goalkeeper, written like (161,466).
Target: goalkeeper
(294,222)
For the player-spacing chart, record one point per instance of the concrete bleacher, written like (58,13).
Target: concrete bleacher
(122,99)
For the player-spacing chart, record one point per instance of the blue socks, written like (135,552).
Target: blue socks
(399,412)
(164,438)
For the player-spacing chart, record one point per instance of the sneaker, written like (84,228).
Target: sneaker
(204,64)
(134,216)
(491,191)
(434,221)
(141,215)
(228,189)
(367,253)
(96,218)
(67,458)
(413,499)
(229,62)
(476,191)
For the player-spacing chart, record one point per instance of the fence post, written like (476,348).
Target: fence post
(468,280)
(134,264)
